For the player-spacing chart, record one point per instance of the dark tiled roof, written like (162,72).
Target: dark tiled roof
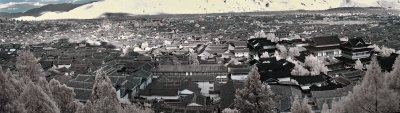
(309,79)
(192,68)
(325,40)
(270,68)
(81,85)
(196,98)
(285,95)
(228,91)
(83,94)
(355,42)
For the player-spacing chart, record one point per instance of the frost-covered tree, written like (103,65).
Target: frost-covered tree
(358,65)
(9,95)
(315,65)
(64,96)
(264,55)
(260,34)
(325,108)
(87,108)
(394,76)
(227,110)
(385,51)
(194,59)
(300,106)
(372,95)
(293,52)
(283,51)
(28,67)
(299,70)
(255,97)
(105,99)
(35,100)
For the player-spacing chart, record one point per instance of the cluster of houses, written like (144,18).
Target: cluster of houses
(202,76)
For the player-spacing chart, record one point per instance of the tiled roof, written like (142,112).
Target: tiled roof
(325,40)
(192,68)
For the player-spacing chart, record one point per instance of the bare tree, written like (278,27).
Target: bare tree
(255,97)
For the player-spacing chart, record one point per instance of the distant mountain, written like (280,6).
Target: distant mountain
(64,7)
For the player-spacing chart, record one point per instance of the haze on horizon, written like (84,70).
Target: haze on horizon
(154,7)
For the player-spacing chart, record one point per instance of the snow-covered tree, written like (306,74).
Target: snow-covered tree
(315,65)
(283,51)
(385,51)
(227,110)
(104,98)
(9,95)
(299,70)
(194,59)
(28,67)
(255,97)
(372,95)
(35,100)
(260,34)
(325,108)
(358,65)
(301,106)
(394,76)
(293,52)
(64,96)
(265,55)
(277,55)
(87,108)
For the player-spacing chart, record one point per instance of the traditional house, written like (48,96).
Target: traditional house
(242,52)
(261,45)
(325,47)
(355,48)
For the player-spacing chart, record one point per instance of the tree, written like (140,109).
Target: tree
(227,110)
(394,76)
(87,108)
(315,65)
(300,106)
(372,95)
(35,100)
(255,97)
(325,108)
(64,96)
(299,70)
(283,51)
(385,51)
(28,67)
(358,65)
(9,95)
(293,52)
(104,98)
(265,55)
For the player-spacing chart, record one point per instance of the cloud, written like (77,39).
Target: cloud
(19,4)
(153,7)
